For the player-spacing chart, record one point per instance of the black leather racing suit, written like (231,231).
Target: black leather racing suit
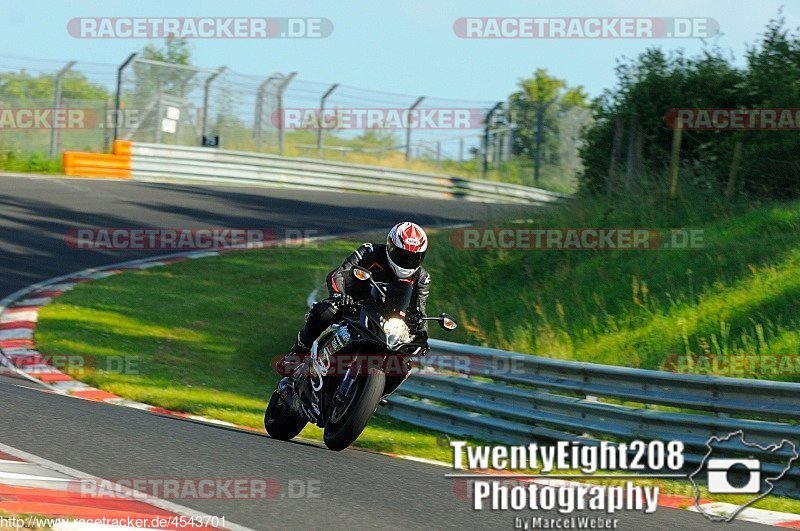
(370,256)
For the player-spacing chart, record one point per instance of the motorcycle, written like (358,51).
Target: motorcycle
(354,365)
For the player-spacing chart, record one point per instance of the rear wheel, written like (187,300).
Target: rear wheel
(281,422)
(348,419)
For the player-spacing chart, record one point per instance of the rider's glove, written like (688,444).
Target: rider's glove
(344,299)
(414,321)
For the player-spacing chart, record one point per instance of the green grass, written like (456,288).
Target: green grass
(204,331)
(737,295)
(16,161)
(203,334)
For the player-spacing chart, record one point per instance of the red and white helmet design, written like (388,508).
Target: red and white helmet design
(405,248)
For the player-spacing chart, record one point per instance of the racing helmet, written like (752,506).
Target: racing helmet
(405,248)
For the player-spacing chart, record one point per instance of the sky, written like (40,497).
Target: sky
(401,46)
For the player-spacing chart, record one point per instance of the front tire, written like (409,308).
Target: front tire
(339,436)
(280,422)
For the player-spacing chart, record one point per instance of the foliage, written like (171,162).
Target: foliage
(549,95)
(655,82)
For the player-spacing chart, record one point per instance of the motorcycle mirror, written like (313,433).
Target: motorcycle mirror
(361,274)
(447,322)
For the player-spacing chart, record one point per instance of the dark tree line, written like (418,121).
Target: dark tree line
(655,82)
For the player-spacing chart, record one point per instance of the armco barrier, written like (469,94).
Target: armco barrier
(164,162)
(100,165)
(513,398)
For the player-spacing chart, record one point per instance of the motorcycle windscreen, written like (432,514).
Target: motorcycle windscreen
(399,294)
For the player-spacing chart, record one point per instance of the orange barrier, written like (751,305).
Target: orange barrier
(100,165)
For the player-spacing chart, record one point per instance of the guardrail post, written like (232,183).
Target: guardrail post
(206,90)
(408,126)
(321,109)
(120,72)
(281,88)
(57,105)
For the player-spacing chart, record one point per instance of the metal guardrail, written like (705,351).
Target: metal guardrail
(160,162)
(512,398)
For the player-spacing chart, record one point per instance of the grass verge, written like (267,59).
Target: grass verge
(200,336)
(203,332)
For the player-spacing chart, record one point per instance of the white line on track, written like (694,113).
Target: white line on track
(77,474)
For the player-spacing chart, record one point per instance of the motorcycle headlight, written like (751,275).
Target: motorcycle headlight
(397,328)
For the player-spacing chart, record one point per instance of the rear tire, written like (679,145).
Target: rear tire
(339,437)
(280,422)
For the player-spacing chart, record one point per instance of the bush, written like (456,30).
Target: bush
(652,84)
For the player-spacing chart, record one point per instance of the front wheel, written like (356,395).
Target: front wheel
(344,427)
(281,422)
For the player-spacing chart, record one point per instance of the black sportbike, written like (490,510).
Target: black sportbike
(354,365)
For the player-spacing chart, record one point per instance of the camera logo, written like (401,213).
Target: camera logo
(741,475)
(719,483)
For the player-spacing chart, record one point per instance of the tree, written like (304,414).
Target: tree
(541,98)
(175,51)
(655,82)
(155,82)
(21,88)
(536,111)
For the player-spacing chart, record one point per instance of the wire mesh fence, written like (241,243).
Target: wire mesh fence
(279,113)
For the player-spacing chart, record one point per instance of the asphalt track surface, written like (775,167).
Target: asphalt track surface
(356,489)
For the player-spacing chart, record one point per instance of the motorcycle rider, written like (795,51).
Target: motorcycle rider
(400,258)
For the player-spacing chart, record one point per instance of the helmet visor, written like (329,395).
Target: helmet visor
(405,259)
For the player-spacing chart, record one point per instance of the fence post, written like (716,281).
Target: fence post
(259,111)
(540,110)
(57,105)
(321,109)
(206,90)
(120,71)
(408,126)
(634,148)
(675,160)
(737,157)
(498,148)
(106,129)
(159,112)
(438,154)
(616,148)
(486,131)
(284,83)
